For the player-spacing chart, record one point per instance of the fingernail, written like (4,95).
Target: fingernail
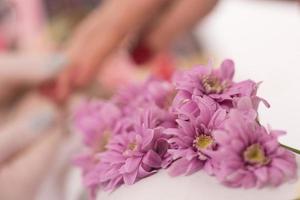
(164,66)
(42,121)
(141,53)
(57,63)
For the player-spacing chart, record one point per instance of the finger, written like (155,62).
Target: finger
(63,85)
(35,67)
(28,170)
(110,31)
(80,35)
(177,20)
(33,116)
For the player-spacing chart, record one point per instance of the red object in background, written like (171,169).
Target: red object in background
(141,53)
(164,66)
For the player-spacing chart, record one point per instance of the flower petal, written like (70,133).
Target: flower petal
(262,175)
(161,146)
(194,166)
(227,69)
(131,164)
(152,159)
(179,167)
(130,178)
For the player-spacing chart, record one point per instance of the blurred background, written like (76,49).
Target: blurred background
(36,140)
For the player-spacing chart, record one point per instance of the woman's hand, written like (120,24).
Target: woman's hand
(26,70)
(29,144)
(22,176)
(150,25)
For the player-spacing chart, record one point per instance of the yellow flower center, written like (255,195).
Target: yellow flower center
(132,146)
(255,154)
(103,141)
(212,84)
(203,142)
(169,99)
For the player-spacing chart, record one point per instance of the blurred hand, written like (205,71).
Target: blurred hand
(20,70)
(29,143)
(22,176)
(151,24)
(29,69)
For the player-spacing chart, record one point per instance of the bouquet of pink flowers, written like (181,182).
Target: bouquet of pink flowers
(202,121)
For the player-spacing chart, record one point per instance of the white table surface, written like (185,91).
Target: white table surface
(198,186)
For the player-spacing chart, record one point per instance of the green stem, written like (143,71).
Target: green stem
(291,149)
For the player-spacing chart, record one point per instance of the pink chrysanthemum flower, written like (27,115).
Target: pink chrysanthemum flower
(249,155)
(153,91)
(215,83)
(192,142)
(195,107)
(99,121)
(131,156)
(95,120)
